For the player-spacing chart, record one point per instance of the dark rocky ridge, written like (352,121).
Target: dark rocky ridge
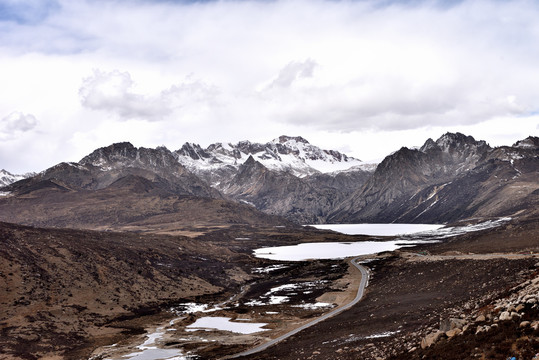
(106,165)
(447,180)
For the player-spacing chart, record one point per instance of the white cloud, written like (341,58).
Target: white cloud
(115,92)
(295,70)
(15,124)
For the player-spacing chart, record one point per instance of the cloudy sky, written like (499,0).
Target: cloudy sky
(363,77)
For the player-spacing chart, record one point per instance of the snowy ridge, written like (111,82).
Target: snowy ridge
(291,154)
(7,178)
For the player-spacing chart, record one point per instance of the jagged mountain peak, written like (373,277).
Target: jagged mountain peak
(124,154)
(530,142)
(286,139)
(450,142)
(250,160)
(194,151)
(7,178)
(292,154)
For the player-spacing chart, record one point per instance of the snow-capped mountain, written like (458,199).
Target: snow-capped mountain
(7,178)
(286,176)
(294,155)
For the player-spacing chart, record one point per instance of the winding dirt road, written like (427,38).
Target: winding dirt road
(359,296)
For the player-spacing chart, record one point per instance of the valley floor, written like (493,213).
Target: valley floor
(453,300)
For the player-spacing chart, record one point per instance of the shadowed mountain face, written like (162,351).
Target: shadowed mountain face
(305,200)
(453,178)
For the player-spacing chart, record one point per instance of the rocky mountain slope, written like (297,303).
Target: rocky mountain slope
(446,180)
(306,200)
(453,178)
(131,203)
(64,291)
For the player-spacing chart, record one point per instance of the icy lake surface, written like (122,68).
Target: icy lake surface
(150,351)
(409,235)
(209,323)
(341,250)
(378,229)
(326,250)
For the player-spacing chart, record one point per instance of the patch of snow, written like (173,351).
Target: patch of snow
(283,287)
(278,299)
(255,303)
(190,308)
(382,335)
(7,178)
(225,324)
(268,269)
(316,305)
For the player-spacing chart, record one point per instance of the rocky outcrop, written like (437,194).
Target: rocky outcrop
(518,310)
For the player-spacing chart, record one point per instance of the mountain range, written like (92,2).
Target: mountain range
(452,178)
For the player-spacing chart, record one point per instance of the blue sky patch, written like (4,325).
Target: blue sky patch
(27,11)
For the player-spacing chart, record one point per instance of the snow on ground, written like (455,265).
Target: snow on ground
(382,335)
(190,308)
(316,305)
(282,293)
(268,269)
(446,232)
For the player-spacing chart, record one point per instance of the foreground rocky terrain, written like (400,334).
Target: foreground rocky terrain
(65,292)
(71,294)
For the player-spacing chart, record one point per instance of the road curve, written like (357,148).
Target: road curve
(359,296)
